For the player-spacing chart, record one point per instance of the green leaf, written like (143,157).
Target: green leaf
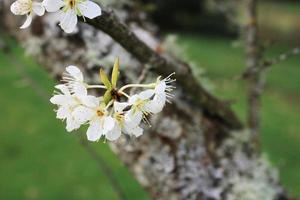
(104,79)
(115,73)
(107,96)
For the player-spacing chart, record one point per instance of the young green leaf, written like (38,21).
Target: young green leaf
(104,79)
(107,96)
(115,73)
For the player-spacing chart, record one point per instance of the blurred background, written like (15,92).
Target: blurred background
(39,160)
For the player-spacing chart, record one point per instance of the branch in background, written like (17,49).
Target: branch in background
(227,9)
(255,83)
(141,78)
(274,61)
(193,91)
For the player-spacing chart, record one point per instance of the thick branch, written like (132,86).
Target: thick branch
(197,95)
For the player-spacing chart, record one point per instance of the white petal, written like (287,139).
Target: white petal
(83,114)
(53,5)
(60,99)
(62,112)
(90,101)
(27,22)
(156,105)
(133,119)
(20,7)
(108,124)
(72,124)
(114,134)
(120,106)
(63,88)
(160,87)
(68,20)
(138,131)
(146,94)
(89,9)
(133,99)
(38,8)
(79,89)
(94,131)
(75,72)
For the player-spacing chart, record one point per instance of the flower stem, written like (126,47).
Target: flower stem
(151,85)
(96,86)
(123,93)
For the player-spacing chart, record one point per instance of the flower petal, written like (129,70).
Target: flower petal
(27,22)
(68,20)
(160,87)
(79,90)
(38,8)
(138,131)
(108,124)
(114,134)
(147,94)
(20,7)
(94,131)
(82,114)
(89,9)
(75,72)
(133,99)
(133,119)
(60,99)
(63,88)
(53,5)
(62,112)
(72,124)
(90,101)
(157,104)
(120,106)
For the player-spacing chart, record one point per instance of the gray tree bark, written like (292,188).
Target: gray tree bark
(196,148)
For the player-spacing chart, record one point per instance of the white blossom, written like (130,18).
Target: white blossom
(70,9)
(28,8)
(125,123)
(106,115)
(100,123)
(73,79)
(162,93)
(140,107)
(67,104)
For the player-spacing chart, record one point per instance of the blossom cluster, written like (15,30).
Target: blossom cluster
(66,10)
(114,112)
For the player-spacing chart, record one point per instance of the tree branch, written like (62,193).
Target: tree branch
(195,93)
(266,64)
(256,81)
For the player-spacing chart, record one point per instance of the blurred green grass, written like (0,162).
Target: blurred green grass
(280,113)
(39,159)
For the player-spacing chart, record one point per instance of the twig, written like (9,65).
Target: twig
(96,157)
(141,78)
(270,62)
(282,57)
(193,91)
